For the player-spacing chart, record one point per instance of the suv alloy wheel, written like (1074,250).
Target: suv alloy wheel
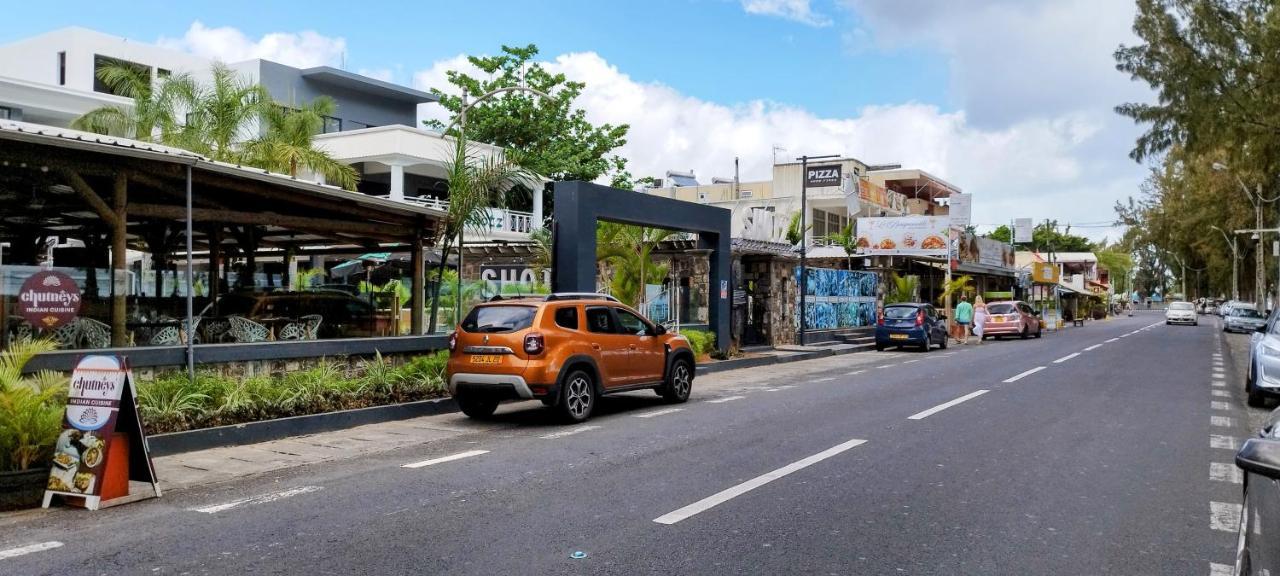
(577,396)
(679,382)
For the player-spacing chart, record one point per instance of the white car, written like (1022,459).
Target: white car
(1181,313)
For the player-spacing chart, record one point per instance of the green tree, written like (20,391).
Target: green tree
(1002,233)
(902,289)
(156,104)
(548,136)
(628,251)
(848,240)
(289,143)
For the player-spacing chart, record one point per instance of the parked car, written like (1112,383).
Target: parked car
(1243,319)
(1263,377)
(914,324)
(1225,308)
(1259,458)
(1011,318)
(566,350)
(1181,313)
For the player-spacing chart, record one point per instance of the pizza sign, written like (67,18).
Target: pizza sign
(49,299)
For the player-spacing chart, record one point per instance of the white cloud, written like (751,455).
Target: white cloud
(796,10)
(300,49)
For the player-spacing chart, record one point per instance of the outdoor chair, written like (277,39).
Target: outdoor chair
(20,331)
(215,330)
(293,331)
(195,331)
(244,330)
(67,335)
(167,336)
(94,334)
(313,325)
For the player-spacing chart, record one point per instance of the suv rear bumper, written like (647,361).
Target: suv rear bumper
(508,385)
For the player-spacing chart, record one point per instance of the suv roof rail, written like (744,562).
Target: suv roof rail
(579,296)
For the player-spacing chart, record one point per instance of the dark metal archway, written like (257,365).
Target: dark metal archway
(579,205)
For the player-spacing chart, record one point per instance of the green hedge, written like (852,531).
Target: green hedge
(702,341)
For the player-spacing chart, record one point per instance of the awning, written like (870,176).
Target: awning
(1072,290)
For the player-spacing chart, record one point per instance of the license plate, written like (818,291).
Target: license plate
(898,336)
(486,359)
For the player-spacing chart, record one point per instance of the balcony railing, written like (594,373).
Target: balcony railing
(500,219)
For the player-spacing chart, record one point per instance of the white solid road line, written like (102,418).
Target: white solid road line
(1223,472)
(443,459)
(945,405)
(729,399)
(15,552)
(1092,348)
(1223,442)
(260,499)
(1067,357)
(731,493)
(1111,340)
(1024,374)
(665,411)
(570,432)
(1224,516)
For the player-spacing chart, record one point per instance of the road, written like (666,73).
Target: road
(1089,451)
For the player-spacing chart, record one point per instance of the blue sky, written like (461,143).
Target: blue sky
(1009,99)
(710,49)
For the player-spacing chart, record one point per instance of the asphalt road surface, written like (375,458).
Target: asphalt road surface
(1089,451)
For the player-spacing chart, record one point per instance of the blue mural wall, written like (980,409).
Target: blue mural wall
(838,298)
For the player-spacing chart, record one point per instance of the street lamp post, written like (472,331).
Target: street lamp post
(1260,286)
(1235,263)
(804,241)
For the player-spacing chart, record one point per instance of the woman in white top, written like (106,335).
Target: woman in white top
(979,317)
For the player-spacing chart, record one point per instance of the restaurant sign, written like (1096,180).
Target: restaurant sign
(974,249)
(822,176)
(903,236)
(49,299)
(101,411)
(1045,273)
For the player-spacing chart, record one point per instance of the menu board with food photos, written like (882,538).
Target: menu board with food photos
(101,410)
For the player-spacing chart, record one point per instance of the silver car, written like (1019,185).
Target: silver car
(1243,319)
(1181,313)
(1263,379)
(1260,460)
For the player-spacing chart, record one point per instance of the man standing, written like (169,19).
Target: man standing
(964,316)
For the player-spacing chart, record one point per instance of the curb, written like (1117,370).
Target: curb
(266,430)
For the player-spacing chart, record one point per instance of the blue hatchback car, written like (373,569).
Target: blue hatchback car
(914,324)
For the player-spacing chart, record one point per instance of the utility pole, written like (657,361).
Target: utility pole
(804,240)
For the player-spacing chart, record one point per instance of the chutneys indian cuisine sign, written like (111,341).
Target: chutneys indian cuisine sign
(49,299)
(903,236)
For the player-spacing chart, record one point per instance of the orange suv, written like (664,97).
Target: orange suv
(566,350)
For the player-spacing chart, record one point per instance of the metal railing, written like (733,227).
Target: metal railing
(500,219)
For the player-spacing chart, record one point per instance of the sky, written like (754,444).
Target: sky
(1011,100)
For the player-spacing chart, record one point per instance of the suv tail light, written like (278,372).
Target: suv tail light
(920,318)
(453,341)
(533,344)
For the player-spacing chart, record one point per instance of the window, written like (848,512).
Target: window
(100,62)
(498,318)
(567,317)
(6,113)
(900,312)
(1001,309)
(631,324)
(600,320)
(62,68)
(162,73)
(332,124)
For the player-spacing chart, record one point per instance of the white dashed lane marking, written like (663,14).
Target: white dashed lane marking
(854,373)
(1092,348)
(1219,383)
(1220,421)
(570,432)
(443,459)
(1111,340)
(911,361)
(824,379)
(723,400)
(1219,405)
(1067,357)
(1223,442)
(1024,374)
(1223,472)
(936,409)
(23,550)
(1224,516)
(662,412)
(1216,569)
(260,499)
(740,489)
(1222,393)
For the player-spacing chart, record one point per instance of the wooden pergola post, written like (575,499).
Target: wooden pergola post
(215,265)
(119,258)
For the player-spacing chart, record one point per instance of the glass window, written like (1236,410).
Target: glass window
(1246,313)
(100,62)
(600,321)
(5,113)
(62,68)
(567,317)
(499,318)
(1181,306)
(1001,309)
(631,324)
(900,312)
(332,124)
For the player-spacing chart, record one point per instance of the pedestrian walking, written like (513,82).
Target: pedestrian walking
(979,317)
(964,316)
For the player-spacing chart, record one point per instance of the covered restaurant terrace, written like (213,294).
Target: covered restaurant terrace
(252,280)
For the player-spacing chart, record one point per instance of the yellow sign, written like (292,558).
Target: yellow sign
(1044,273)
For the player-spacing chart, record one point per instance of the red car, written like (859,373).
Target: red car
(1010,318)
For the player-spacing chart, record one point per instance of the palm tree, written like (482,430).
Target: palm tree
(901,289)
(156,105)
(543,251)
(477,182)
(847,240)
(794,234)
(628,252)
(289,143)
(223,115)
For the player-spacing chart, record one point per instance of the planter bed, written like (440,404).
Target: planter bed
(22,489)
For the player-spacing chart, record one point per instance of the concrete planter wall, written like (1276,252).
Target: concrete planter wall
(22,489)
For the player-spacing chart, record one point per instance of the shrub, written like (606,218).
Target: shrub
(31,407)
(425,373)
(702,341)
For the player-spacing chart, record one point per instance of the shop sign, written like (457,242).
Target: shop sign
(1045,273)
(49,299)
(499,275)
(822,176)
(974,249)
(1022,230)
(960,208)
(100,403)
(904,236)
